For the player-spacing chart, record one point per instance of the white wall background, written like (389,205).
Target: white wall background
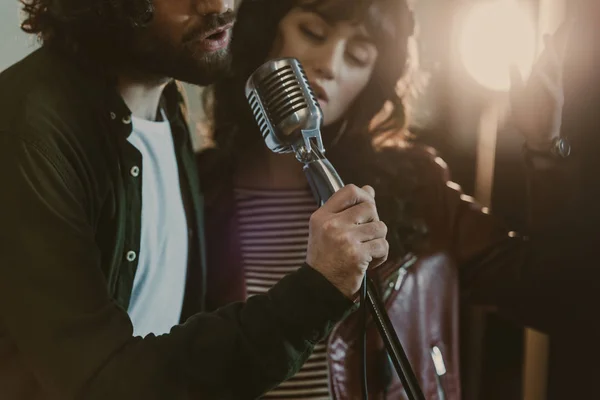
(14,44)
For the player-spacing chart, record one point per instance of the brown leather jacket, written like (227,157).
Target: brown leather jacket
(420,290)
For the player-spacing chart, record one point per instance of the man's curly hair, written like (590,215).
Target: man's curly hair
(72,24)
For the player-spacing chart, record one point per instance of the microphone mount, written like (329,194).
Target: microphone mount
(305,149)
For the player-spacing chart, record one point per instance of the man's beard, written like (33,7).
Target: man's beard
(182,63)
(151,52)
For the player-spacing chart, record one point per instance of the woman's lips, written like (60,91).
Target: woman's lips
(322,102)
(320,93)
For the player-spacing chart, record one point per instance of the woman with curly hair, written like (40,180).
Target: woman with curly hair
(357,59)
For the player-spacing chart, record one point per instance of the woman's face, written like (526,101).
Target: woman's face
(338,58)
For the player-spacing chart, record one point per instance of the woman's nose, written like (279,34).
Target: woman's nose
(328,60)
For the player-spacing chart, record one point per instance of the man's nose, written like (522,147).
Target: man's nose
(208,7)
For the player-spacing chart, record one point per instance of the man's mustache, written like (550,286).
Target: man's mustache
(208,24)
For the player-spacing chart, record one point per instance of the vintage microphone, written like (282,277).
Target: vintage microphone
(289,119)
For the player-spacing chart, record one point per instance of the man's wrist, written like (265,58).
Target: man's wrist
(309,302)
(556,147)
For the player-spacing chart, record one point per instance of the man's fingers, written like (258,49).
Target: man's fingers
(378,249)
(347,197)
(370,231)
(562,35)
(369,190)
(552,87)
(360,214)
(377,262)
(553,65)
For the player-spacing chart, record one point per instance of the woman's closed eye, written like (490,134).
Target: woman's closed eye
(317,35)
(359,57)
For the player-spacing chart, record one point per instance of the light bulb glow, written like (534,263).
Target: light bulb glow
(495,35)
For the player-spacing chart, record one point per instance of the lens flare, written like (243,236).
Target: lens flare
(494,36)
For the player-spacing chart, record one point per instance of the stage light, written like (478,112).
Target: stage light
(493,36)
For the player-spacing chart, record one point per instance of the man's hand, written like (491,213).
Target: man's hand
(537,103)
(346,237)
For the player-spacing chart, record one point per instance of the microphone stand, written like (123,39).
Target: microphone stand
(324,182)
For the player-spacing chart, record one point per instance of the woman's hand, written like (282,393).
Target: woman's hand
(537,104)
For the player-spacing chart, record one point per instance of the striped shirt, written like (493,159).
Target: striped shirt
(274,235)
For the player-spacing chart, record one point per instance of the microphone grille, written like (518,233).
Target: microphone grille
(281,99)
(263,122)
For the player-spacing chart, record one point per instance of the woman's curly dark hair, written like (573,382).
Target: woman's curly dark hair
(75,24)
(390,23)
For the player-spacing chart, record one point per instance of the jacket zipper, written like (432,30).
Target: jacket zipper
(440,370)
(394,282)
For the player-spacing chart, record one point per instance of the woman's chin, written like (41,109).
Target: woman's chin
(327,116)
(327,120)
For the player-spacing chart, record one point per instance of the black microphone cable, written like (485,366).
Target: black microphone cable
(363,340)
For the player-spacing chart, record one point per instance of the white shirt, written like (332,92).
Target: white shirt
(159,284)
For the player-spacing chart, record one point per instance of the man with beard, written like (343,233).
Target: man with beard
(102,226)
